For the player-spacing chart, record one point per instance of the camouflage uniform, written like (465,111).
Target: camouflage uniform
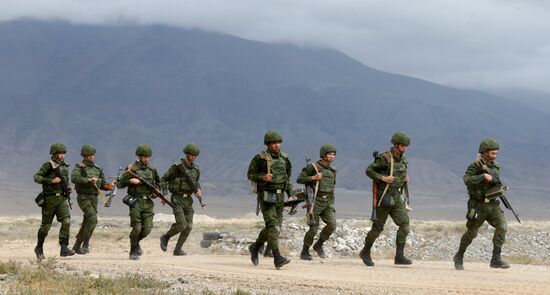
(182,190)
(55,204)
(87,196)
(141,214)
(392,203)
(481,209)
(324,202)
(281,169)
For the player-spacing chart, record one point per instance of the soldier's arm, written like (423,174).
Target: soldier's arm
(41,176)
(123,180)
(288,187)
(156,179)
(473,175)
(305,176)
(254,174)
(167,177)
(198,177)
(76,176)
(372,170)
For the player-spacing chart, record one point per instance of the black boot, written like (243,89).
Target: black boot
(365,255)
(178,251)
(305,253)
(65,251)
(86,246)
(318,247)
(134,248)
(77,247)
(39,251)
(400,256)
(458,259)
(253,248)
(268,252)
(279,260)
(164,242)
(497,261)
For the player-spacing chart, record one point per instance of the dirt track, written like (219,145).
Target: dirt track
(330,276)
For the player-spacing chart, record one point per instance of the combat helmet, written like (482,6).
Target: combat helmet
(57,147)
(87,150)
(488,144)
(192,149)
(401,138)
(327,148)
(144,150)
(272,136)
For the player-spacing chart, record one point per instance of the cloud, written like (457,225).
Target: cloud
(469,43)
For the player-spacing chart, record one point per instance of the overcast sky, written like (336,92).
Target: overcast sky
(467,43)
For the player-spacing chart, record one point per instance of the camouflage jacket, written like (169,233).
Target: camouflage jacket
(281,169)
(47,173)
(175,181)
(475,181)
(381,167)
(81,175)
(327,182)
(147,171)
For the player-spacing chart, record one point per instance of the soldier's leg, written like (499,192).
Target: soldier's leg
(330,225)
(377,228)
(90,227)
(89,221)
(472,227)
(135,223)
(189,213)
(147,221)
(47,218)
(308,238)
(274,233)
(64,217)
(176,227)
(497,219)
(400,216)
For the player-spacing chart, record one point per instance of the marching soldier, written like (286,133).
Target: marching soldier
(389,172)
(182,179)
(54,178)
(88,179)
(481,176)
(270,172)
(139,198)
(322,172)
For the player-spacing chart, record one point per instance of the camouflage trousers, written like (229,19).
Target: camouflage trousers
(88,205)
(55,206)
(141,220)
(324,208)
(273,219)
(400,216)
(490,212)
(183,212)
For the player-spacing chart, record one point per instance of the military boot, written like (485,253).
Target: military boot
(39,251)
(400,256)
(178,251)
(134,248)
(365,255)
(458,259)
(279,260)
(86,246)
(253,249)
(497,261)
(318,247)
(305,254)
(77,247)
(268,252)
(164,242)
(65,251)
(138,250)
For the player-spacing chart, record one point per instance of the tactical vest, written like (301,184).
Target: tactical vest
(328,181)
(399,172)
(88,172)
(477,191)
(49,188)
(278,169)
(179,185)
(146,172)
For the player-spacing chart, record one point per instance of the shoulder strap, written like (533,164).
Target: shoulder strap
(266,156)
(190,181)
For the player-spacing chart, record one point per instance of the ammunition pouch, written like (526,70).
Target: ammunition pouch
(130,200)
(40,200)
(270,197)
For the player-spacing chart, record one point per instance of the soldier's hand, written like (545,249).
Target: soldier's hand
(56,180)
(267,177)
(317,176)
(135,181)
(488,177)
(93,179)
(198,194)
(388,179)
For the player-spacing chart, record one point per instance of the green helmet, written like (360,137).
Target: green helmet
(144,150)
(401,138)
(57,147)
(327,148)
(272,136)
(488,144)
(87,150)
(192,149)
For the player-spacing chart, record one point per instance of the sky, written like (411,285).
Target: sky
(468,44)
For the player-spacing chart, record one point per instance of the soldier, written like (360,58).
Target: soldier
(88,179)
(141,212)
(390,200)
(182,179)
(270,171)
(54,177)
(324,201)
(480,176)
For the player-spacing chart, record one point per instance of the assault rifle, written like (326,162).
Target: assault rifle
(311,194)
(190,181)
(64,187)
(112,193)
(498,190)
(152,188)
(299,197)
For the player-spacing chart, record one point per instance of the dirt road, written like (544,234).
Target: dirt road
(330,276)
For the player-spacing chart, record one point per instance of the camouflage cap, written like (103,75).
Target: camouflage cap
(144,150)
(488,144)
(327,148)
(57,147)
(272,136)
(192,149)
(401,138)
(87,150)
